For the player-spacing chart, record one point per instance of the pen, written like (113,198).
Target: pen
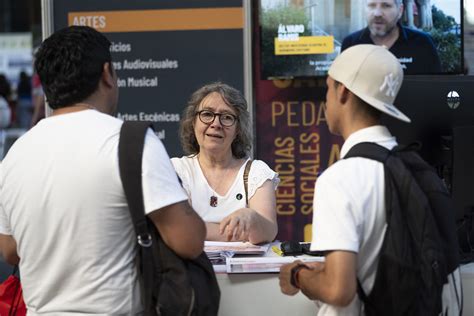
(277,250)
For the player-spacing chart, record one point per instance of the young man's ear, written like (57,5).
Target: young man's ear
(108,75)
(343,93)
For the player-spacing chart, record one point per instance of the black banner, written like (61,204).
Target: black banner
(163,51)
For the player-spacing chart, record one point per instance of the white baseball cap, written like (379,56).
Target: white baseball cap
(373,74)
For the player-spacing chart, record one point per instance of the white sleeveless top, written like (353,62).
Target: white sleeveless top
(199,191)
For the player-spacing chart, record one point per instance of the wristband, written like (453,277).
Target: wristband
(294,274)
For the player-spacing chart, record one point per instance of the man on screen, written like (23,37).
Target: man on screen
(415,50)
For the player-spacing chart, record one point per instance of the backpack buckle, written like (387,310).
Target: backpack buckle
(144,240)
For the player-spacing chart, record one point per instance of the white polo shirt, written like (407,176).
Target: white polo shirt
(349,211)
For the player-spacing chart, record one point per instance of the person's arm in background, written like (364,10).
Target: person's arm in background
(181,228)
(257,223)
(333,282)
(8,249)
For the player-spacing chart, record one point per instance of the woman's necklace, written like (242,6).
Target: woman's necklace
(213,200)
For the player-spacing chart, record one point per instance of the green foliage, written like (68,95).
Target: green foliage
(441,21)
(280,66)
(446,40)
(449,49)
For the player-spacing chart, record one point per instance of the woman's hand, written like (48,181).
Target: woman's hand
(255,224)
(237,226)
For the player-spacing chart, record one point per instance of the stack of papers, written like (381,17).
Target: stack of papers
(218,252)
(237,248)
(244,257)
(219,257)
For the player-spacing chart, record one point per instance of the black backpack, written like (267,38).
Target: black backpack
(420,248)
(171,285)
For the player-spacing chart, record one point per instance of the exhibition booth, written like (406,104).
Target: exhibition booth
(278,52)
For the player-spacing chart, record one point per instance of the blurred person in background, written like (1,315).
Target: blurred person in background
(5,103)
(24,106)
(5,113)
(5,117)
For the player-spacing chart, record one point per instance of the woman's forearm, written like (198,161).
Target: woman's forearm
(262,230)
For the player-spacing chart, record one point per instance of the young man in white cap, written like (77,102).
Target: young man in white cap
(349,202)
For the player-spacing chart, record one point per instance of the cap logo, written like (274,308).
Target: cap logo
(390,84)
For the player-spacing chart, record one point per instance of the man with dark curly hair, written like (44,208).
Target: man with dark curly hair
(64,217)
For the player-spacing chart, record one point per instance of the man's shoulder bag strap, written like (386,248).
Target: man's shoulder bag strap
(131,144)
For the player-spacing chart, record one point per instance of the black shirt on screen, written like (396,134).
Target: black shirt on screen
(415,50)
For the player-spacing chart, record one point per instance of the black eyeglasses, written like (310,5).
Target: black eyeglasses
(207,117)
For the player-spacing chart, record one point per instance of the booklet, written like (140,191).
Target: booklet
(237,248)
(263,264)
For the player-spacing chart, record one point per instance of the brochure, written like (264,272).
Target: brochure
(263,264)
(237,248)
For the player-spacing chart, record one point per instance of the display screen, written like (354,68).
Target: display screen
(301,38)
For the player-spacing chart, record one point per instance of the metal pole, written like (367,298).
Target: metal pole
(7,12)
(47,22)
(248,82)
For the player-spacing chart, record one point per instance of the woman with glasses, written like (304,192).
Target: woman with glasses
(216,136)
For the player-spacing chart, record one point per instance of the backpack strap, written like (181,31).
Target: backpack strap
(132,140)
(369,150)
(130,149)
(246,181)
(379,153)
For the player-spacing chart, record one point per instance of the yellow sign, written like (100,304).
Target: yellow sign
(305,45)
(308,232)
(160,20)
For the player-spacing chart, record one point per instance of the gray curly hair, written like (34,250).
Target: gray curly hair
(233,98)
